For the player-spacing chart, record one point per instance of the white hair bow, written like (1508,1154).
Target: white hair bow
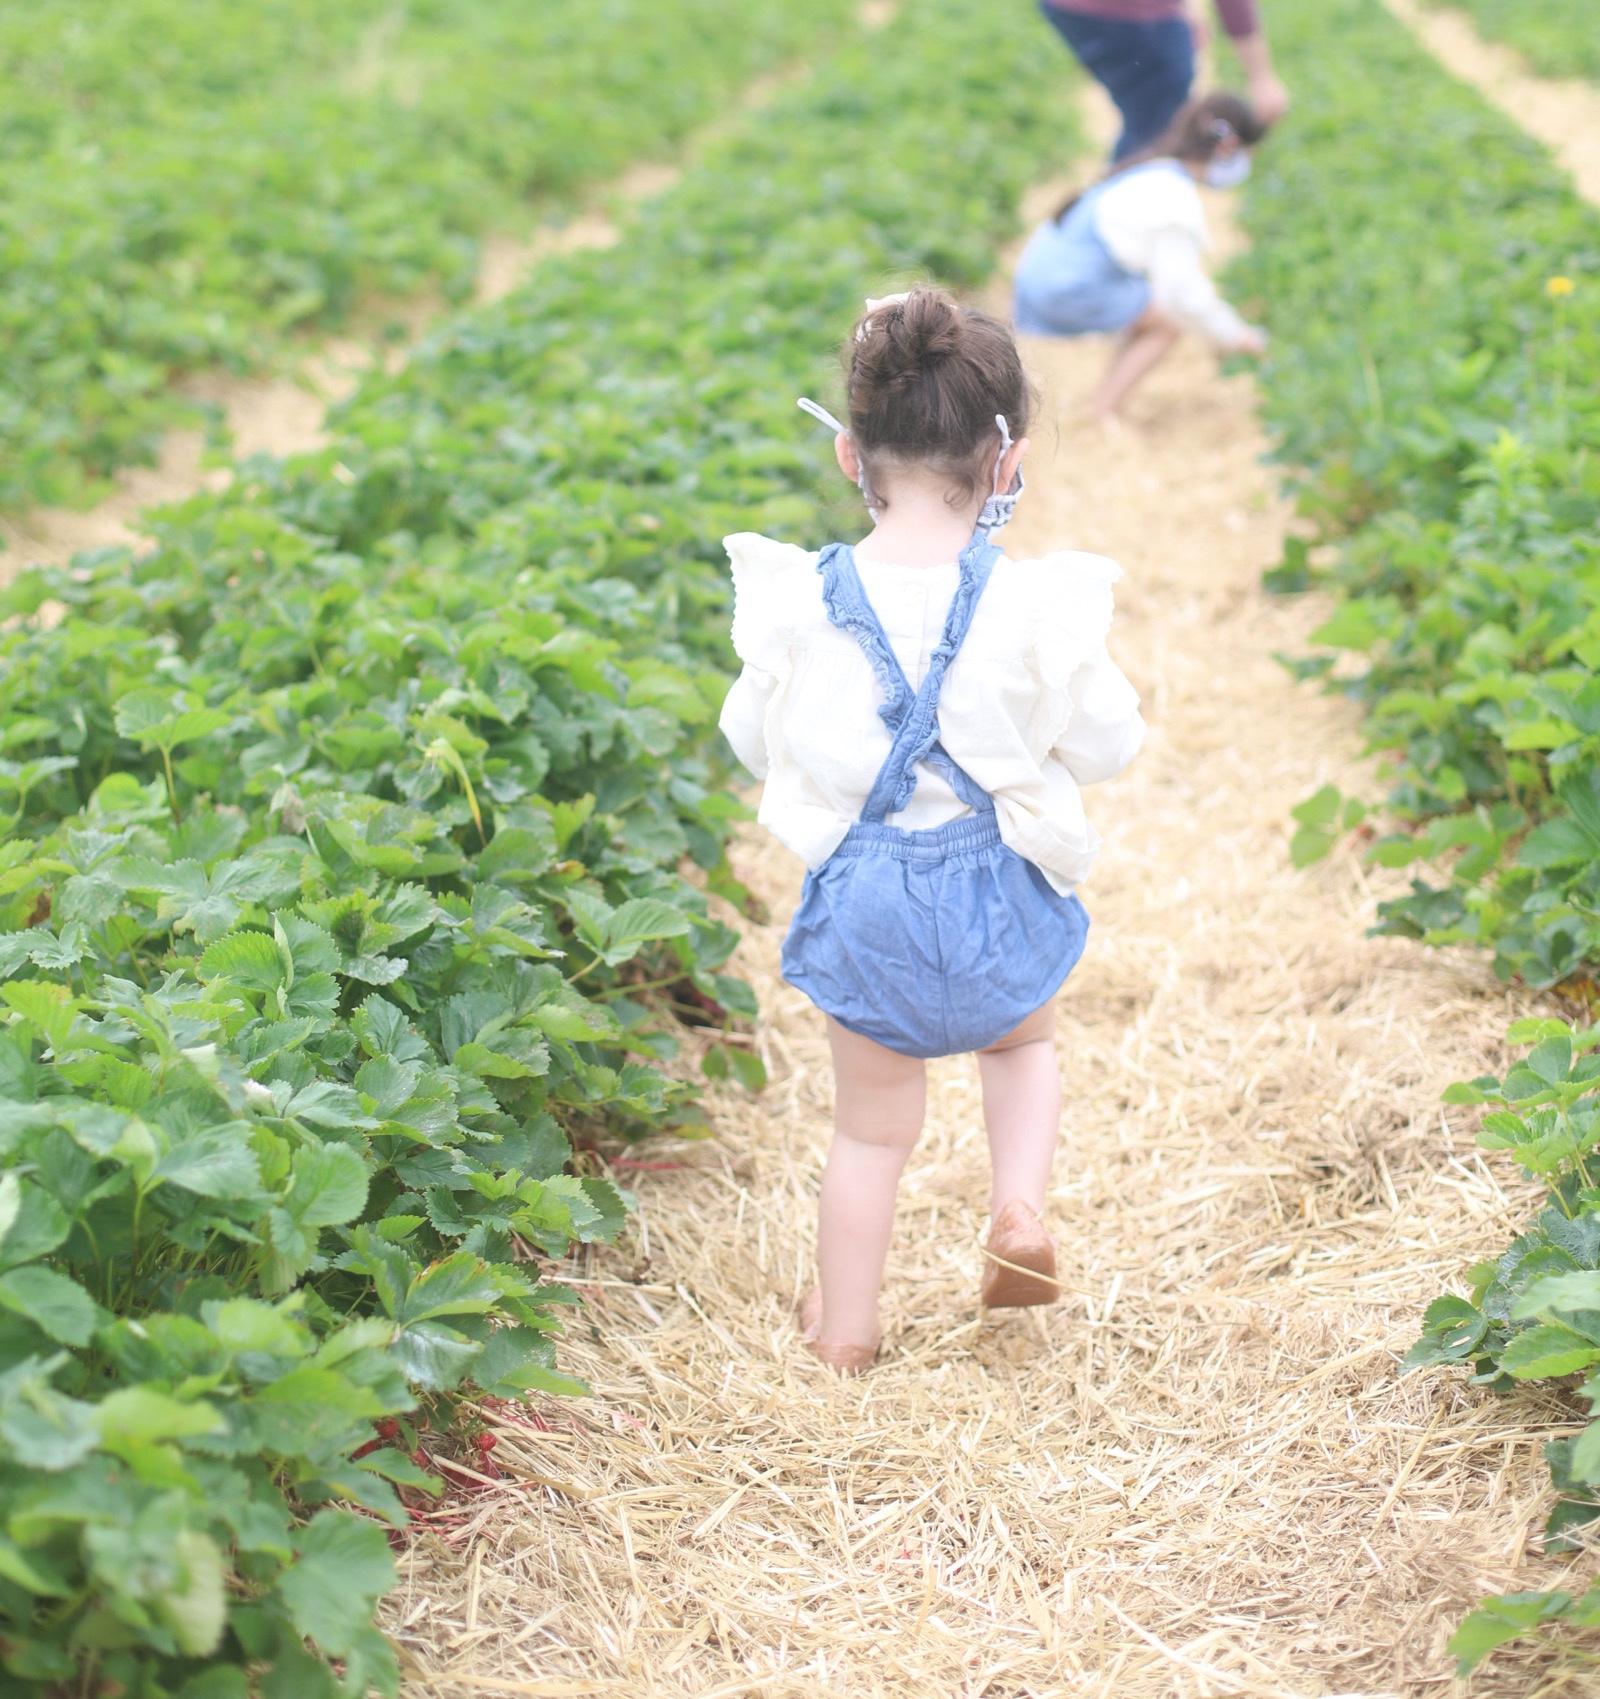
(864,330)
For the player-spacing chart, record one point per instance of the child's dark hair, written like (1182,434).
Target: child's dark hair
(1199,129)
(926,378)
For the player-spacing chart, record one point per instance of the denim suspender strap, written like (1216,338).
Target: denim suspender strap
(912,718)
(916,738)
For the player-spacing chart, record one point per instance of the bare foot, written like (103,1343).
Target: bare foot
(1019,1261)
(843,1359)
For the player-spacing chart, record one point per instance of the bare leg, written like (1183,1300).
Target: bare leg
(1148,342)
(880,1098)
(1022,1110)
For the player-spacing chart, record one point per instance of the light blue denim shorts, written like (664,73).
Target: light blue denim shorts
(931,943)
(1069,285)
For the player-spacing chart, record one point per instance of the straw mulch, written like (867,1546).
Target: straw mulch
(1198,1475)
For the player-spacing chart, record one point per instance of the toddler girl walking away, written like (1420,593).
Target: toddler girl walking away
(924,711)
(1125,256)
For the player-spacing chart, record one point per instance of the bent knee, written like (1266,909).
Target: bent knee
(1154,322)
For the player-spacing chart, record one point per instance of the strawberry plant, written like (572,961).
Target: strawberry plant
(1559,38)
(356,869)
(1436,393)
(1533,1312)
(1436,289)
(186,185)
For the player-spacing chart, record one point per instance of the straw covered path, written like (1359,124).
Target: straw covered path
(1200,1474)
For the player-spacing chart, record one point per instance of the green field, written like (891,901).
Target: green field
(1559,38)
(186,186)
(1436,396)
(364,833)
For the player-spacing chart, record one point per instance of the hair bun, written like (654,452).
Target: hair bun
(911,335)
(927,378)
(927,329)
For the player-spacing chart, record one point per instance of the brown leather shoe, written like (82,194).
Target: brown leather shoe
(1019,1261)
(842,1359)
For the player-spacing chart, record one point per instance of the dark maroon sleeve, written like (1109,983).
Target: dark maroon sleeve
(1239,17)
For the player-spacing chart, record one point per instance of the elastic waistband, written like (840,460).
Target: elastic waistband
(976,832)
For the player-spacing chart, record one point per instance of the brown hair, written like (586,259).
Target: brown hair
(1196,133)
(926,378)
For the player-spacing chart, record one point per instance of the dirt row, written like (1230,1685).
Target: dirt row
(1564,115)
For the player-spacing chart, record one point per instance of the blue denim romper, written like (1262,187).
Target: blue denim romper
(1068,281)
(930,942)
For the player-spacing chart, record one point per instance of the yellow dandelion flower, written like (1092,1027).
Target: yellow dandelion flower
(1558,287)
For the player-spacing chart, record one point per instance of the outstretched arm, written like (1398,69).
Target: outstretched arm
(1243,23)
(1182,293)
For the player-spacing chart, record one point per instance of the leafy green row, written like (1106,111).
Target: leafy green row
(1561,38)
(1435,287)
(1533,1313)
(182,185)
(350,879)
(1438,288)
(1403,253)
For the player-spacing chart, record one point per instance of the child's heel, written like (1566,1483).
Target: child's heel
(1019,1261)
(842,1359)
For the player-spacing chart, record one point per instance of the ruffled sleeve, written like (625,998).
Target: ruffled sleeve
(1100,728)
(1073,602)
(1180,288)
(1105,730)
(769,585)
(744,719)
(1139,205)
(769,581)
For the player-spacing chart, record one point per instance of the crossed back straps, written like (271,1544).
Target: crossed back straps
(911,716)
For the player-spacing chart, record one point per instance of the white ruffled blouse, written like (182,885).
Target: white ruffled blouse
(1033,707)
(1154,223)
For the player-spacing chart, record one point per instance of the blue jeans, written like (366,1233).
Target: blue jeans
(1147,69)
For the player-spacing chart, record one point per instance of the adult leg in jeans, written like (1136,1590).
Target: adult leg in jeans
(1147,69)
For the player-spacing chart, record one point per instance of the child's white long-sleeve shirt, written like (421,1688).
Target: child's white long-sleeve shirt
(1033,707)
(1155,226)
